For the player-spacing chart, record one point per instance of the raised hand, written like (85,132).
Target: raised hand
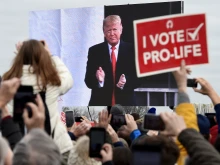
(181,77)
(18,46)
(113,134)
(131,124)
(121,81)
(7,90)
(100,74)
(81,129)
(46,46)
(38,115)
(206,88)
(103,119)
(174,124)
(107,153)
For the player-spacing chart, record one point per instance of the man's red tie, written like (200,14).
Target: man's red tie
(113,58)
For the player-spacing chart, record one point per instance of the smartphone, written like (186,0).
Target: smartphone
(210,114)
(192,83)
(97,140)
(118,120)
(69,118)
(211,118)
(153,122)
(24,95)
(146,154)
(78,119)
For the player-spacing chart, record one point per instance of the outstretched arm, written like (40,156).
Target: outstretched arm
(207,89)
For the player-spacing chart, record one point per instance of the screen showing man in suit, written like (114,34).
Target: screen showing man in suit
(110,71)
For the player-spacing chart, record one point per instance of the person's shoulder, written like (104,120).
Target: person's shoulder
(129,47)
(125,43)
(98,45)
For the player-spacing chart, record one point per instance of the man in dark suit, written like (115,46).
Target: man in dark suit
(110,71)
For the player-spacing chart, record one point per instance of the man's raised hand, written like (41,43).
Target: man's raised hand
(7,90)
(121,81)
(100,74)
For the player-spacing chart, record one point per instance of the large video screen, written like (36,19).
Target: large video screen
(70,33)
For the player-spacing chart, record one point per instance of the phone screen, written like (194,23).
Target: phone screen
(153,122)
(118,120)
(69,118)
(97,140)
(192,83)
(21,98)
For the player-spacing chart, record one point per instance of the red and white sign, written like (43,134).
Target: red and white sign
(161,43)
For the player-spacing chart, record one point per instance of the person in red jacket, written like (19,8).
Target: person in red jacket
(213,130)
(214,134)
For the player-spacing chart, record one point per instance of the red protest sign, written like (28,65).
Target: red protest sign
(161,43)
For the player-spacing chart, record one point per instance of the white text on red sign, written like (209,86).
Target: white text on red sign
(172,37)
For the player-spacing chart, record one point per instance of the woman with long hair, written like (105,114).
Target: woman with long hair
(35,67)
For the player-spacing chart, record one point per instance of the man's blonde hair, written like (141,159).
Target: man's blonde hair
(111,19)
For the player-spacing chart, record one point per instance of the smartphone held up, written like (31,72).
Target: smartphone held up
(192,83)
(69,118)
(24,95)
(97,137)
(118,120)
(153,122)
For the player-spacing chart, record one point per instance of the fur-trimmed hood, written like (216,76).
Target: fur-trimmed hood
(79,155)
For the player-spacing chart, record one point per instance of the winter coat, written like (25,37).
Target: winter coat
(58,129)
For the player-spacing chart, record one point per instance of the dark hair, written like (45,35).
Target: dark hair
(34,54)
(123,134)
(136,116)
(206,136)
(217,143)
(122,156)
(170,151)
(117,109)
(212,120)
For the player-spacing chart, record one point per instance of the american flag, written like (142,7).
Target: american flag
(63,117)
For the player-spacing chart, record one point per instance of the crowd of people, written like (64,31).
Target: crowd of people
(186,139)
